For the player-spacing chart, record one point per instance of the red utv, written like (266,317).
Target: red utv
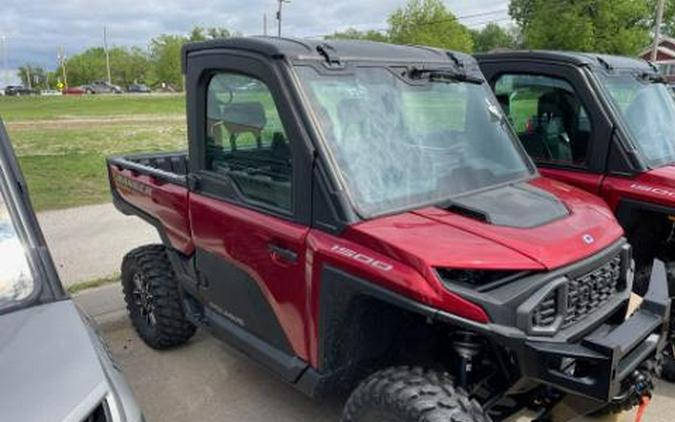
(605,124)
(360,215)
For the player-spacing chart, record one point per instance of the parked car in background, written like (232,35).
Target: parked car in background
(50,92)
(18,90)
(102,87)
(50,349)
(74,90)
(138,89)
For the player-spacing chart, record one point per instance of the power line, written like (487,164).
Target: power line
(477,24)
(437,21)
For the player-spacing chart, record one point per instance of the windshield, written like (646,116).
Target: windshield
(401,144)
(16,280)
(648,109)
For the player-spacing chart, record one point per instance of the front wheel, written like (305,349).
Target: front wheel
(406,394)
(153,299)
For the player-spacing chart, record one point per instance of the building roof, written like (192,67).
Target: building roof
(345,50)
(662,49)
(574,58)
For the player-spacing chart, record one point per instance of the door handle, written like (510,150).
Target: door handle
(283,253)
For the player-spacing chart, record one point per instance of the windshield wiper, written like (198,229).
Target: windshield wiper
(443,74)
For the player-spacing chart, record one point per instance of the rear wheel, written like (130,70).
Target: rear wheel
(406,394)
(152,298)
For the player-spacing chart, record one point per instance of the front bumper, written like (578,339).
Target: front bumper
(597,365)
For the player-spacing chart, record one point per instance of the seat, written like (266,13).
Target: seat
(245,117)
(555,125)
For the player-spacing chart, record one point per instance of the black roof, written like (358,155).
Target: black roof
(345,50)
(574,58)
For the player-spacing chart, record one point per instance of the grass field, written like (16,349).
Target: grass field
(62,142)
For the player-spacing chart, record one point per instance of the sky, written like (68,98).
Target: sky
(35,29)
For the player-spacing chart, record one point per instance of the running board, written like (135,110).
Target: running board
(288,367)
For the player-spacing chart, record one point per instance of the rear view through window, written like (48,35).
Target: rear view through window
(648,109)
(246,141)
(405,143)
(16,280)
(550,120)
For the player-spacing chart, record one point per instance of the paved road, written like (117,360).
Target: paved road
(209,381)
(89,242)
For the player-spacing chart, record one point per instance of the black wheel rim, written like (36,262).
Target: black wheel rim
(143,299)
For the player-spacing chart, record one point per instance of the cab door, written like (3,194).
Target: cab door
(249,207)
(552,110)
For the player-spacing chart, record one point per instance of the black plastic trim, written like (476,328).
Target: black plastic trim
(234,294)
(129,163)
(287,366)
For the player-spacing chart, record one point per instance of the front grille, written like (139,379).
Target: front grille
(544,315)
(588,293)
(584,295)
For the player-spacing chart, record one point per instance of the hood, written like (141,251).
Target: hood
(46,353)
(664,176)
(539,225)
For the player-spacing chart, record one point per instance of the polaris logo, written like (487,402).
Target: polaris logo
(588,239)
(365,259)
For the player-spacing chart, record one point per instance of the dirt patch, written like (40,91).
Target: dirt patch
(70,122)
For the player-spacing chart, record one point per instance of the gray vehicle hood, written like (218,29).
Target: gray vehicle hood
(49,367)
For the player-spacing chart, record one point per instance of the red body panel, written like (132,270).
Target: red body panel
(324,249)
(166,202)
(242,237)
(399,253)
(590,182)
(655,186)
(552,245)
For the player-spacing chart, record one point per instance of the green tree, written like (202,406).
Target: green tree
(428,22)
(165,54)
(354,34)
(199,33)
(668,27)
(606,26)
(492,36)
(35,77)
(127,65)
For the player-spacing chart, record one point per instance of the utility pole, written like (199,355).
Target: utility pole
(28,77)
(657,29)
(3,45)
(265,24)
(61,56)
(281,3)
(107,56)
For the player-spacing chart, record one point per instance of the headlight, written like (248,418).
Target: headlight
(476,278)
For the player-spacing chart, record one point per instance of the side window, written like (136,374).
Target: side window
(245,140)
(548,116)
